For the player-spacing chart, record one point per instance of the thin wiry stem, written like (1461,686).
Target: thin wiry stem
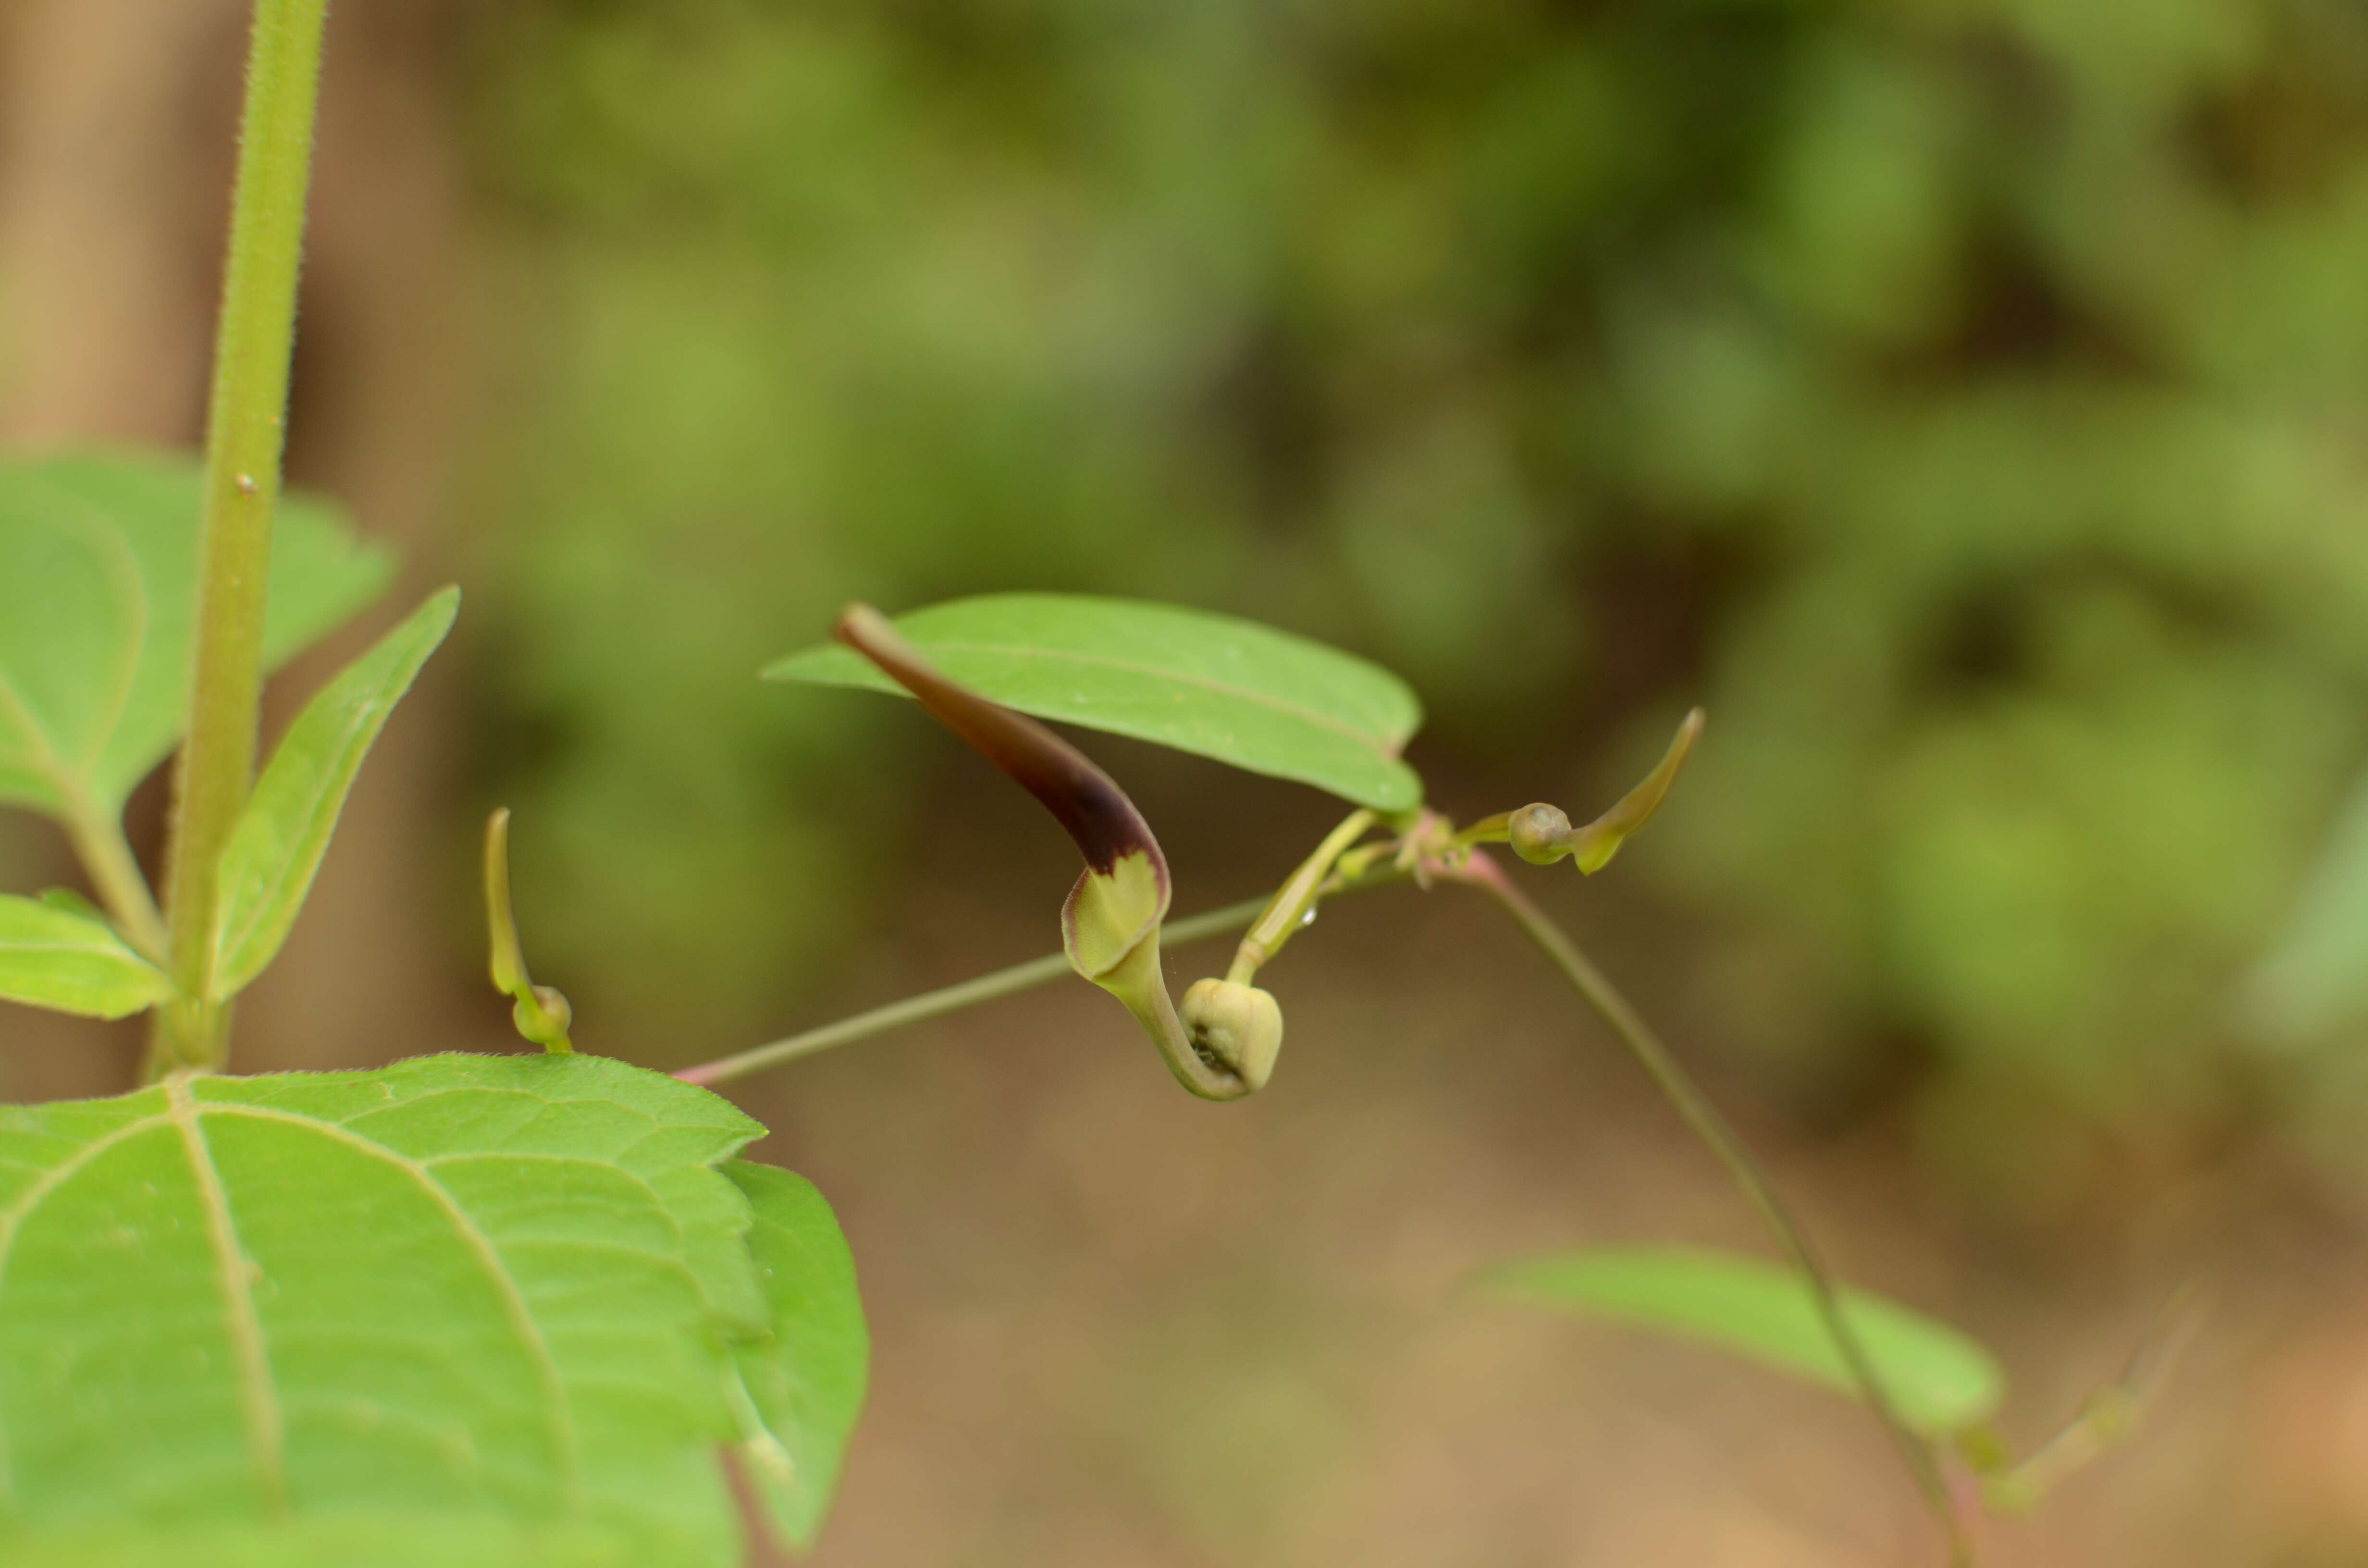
(947,999)
(1694,1107)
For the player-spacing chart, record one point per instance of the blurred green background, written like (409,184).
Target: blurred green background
(1964,399)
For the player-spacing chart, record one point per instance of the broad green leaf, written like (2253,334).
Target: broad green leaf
(98,562)
(71,902)
(1242,693)
(803,1381)
(1941,1380)
(358,1540)
(492,1287)
(59,957)
(279,840)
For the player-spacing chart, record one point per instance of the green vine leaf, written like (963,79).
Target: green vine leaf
(53,954)
(496,1291)
(803,1379)
(1234,690)
(279,840)
(1941,1381)
(98,584)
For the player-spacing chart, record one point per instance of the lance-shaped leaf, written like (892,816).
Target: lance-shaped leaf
(800,1385)
(276,847)
(53,954)
(1110,926)
(1212,684)
(98,570)
(1940,1381)
(498,1295)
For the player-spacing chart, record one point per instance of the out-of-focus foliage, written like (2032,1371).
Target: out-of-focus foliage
(1942,1383)
(1986,374)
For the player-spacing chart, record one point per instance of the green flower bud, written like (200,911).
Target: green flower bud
(1236,1026)
(1539,834)
(544,1018)
(541,1015)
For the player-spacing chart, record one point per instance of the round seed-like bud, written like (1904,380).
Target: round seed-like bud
(1540,834)
(555,1019)
(1237,1027)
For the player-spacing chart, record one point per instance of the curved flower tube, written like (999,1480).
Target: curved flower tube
(1110,925)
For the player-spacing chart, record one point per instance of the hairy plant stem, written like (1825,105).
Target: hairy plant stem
(1480,871)
(947,999)
(246,425)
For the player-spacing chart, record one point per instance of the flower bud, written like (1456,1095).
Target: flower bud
(1238,1028)
(541,1015)
(1540,834)
(1110,925)
(545,1020)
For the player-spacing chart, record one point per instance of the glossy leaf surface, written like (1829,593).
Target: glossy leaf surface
(53,954)
(98,560)
(1212,684)
(1941,1381)
(277,846)
(804,1378)
(469,1288)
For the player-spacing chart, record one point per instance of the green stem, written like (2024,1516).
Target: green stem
(245,430)
(1677,1086)
(1288,910)
(949,999)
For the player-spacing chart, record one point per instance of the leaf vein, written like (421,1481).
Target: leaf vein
(561,1416)
(1378,746)
(259,1392)
(12,1220)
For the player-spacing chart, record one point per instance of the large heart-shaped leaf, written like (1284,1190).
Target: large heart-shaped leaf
(285,830)
(501,1289)
(1242,693)
(98,562)
(802,1381)
(1941,1380)
(53,955)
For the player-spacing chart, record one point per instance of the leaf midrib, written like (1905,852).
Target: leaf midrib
(561,1419)
(1313,716)
(258,1390)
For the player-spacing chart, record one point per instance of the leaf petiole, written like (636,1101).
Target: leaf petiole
(106,854)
